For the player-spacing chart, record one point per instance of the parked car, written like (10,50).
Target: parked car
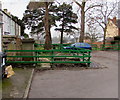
(79,46)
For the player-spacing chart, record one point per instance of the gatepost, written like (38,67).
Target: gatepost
(28,44)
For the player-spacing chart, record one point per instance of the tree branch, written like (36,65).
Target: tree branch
(99,23)
(78,3)
(92,7)
(106,9)
(102,12)
(78,9)
(111,11)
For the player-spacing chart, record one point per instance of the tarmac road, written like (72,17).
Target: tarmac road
(90,83)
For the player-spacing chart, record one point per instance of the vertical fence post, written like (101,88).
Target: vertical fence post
(118,45)
(83,56)
(36,58)
(61,45)
(89,59)
(52,58)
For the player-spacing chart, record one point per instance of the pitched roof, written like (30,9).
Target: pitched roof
(115,21)
(8,16)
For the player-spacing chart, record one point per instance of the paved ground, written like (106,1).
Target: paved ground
(15,86)
(91,83)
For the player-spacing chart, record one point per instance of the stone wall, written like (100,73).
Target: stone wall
(28,44)
(11,43)
(15,43)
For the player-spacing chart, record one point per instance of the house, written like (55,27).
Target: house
(10,29)
(118,24)
(112,29)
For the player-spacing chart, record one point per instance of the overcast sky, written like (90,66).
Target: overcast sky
(17,7)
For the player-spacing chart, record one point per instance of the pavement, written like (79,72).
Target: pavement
(90,83)
(15,86)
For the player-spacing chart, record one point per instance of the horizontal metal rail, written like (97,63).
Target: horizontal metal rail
(83,55)
(46,56)
(94,46)
(48,62)
(54,50)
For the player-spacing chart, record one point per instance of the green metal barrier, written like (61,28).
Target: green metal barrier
(94,47)
(54,46)
(83,54)
(106,47)
(110,47)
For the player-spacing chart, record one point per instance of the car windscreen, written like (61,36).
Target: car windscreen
(72,45)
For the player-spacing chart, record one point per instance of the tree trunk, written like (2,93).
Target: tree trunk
(50,35)
(82,33)
(104,38)
(61,39)
(48,40)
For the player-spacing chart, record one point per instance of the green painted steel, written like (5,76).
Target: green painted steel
(107,46)
(110,46)
(47,56)
(48,62)
(54,50)
(83,55)
(94,46)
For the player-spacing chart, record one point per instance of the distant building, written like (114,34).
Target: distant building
(112,28)
(118,22)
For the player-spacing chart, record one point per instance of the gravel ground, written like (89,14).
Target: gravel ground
(99,83)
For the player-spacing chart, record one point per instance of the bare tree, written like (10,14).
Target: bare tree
(102,14)
(84,8)
(93,34)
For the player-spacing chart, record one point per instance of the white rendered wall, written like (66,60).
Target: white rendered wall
(0,41)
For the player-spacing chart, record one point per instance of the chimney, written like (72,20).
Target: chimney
(5,10)
(9,13)
(114,20)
